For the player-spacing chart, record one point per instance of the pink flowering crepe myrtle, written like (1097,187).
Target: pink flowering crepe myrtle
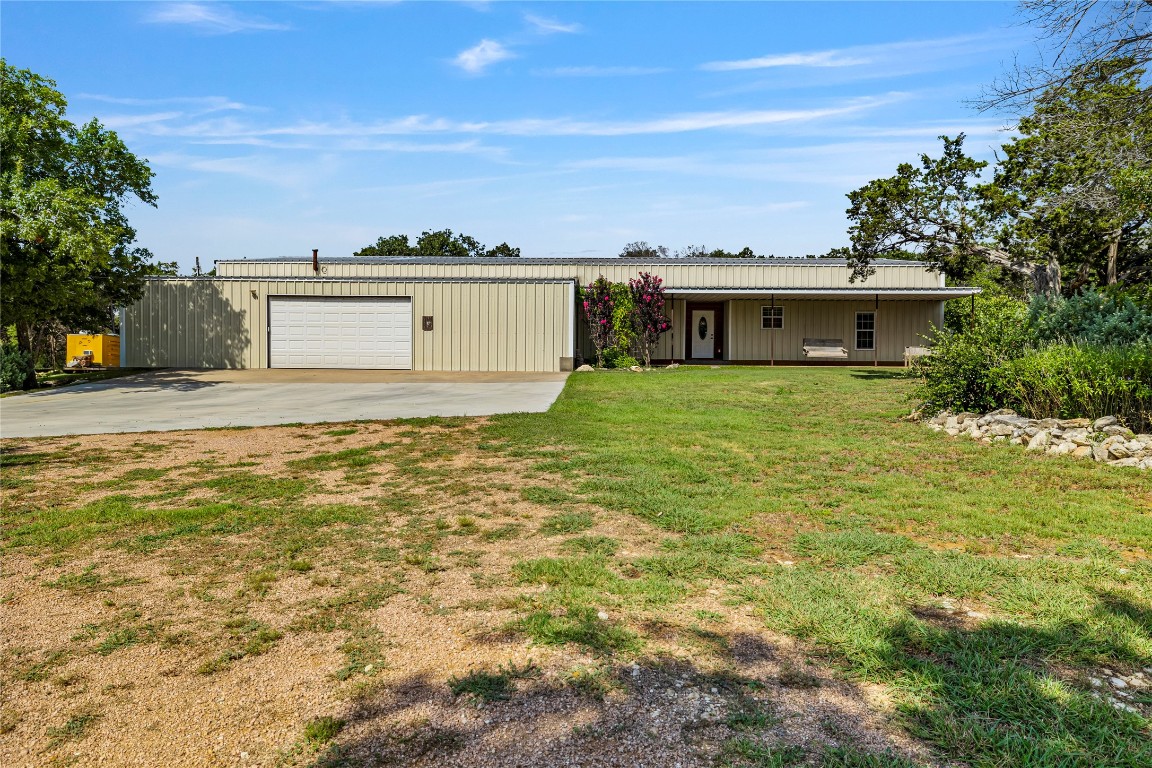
(649,318)
(598,308)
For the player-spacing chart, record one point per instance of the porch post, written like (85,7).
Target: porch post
(876,332)
(772,336)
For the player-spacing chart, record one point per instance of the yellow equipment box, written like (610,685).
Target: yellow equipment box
(104,348)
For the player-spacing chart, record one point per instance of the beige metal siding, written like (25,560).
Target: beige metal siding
(803,274)
(224,323)
(899,324)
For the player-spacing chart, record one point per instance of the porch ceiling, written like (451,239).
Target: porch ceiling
(822,294)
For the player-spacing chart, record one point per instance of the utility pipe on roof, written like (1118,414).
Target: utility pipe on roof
(316,260)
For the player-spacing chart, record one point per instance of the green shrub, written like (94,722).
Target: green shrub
(622,354)
(1090,317)
(13,367)
(1069,381)
(957,373)
(614,358)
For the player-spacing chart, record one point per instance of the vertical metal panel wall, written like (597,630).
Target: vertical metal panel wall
(899,324)
(478,326)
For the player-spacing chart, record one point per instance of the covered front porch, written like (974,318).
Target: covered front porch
(773,327)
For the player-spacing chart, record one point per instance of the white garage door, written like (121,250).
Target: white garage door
(332,332)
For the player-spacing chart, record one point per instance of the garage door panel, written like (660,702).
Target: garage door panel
(324,332)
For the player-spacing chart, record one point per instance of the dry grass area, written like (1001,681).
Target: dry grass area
(374,594)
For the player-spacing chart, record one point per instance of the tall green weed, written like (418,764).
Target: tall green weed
(1078,380)
(1085,356)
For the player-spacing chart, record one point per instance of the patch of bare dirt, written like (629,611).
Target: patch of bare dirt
(210,651)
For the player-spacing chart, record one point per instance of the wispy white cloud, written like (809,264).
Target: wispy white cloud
(128,122)
(545,26)
(470,147)
(181,109)
(921,51)
(818,59)
(601,71)
(200,103)
(850,157)
(214,18)
(481,56)
(272,171)
(223,130)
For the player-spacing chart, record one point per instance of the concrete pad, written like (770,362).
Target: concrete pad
(169,400)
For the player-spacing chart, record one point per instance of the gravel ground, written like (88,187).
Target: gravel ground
(111,671)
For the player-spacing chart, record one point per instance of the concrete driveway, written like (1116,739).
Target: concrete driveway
(169,399)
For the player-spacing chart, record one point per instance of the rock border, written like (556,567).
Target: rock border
(1104,439)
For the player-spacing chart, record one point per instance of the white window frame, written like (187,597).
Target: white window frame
(777,316)
(857,330)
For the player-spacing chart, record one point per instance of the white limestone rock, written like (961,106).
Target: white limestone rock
(1039,441)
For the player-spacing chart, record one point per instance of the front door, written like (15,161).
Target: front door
(703,330)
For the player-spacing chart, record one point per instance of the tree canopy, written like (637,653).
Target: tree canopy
(435,243)
(1068,203)
(66,248)
(1074,37)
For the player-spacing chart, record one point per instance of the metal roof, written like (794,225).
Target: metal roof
(777,261)
(367,279)
(921,294)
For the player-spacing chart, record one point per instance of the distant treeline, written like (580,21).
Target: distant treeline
(441,242)
(445,242)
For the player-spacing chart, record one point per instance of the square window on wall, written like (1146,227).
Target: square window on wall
(771,318)
(865,330)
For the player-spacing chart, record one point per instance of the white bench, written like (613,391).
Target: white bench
(911,353)
(829,349)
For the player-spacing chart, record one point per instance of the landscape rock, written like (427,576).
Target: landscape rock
(1105,439)
(1039,441)
(584,368)
(1118,451)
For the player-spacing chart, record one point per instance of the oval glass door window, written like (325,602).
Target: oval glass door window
(703,327)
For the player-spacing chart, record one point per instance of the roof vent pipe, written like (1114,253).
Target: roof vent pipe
(316,260)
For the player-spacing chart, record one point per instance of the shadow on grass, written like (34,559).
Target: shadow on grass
(655,712)
(874,374)
(1002,693)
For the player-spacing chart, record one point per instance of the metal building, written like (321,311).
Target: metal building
(520,314)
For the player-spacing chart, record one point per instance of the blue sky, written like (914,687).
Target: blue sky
(561,128)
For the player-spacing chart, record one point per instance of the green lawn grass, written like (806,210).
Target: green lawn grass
(980,585)
(879,520)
